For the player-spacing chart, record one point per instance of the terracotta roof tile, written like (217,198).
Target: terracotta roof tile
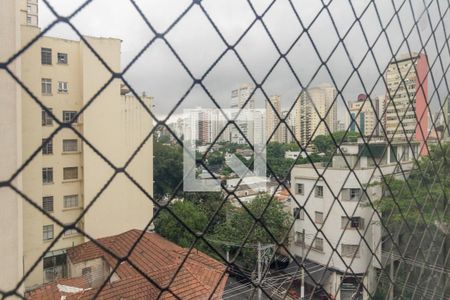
(159,259)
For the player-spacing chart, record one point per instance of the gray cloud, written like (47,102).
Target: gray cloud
(159,73)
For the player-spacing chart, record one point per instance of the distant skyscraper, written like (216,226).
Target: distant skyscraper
(362,113)
(406,102)
(272,120)
(286,135)
(312,106)
(238,100)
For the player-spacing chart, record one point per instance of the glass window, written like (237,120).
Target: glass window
(62,58)
(68,116)
(47,232)
(46,56)
(299,213)
(47,146)
(319,191)
(70,145)
(355,194)
(300,188)
(299,238)
(46,85)
(318,244)
(62,87)
(47,120)
(47,175)
(318,217)
(70,173)
(47,203)
(70,232)
(71,201)
(55,266)
(349,250)
(354,222)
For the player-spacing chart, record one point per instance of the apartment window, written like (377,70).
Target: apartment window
(318,192)
(318,217)
(47,120)
(62,87)
(68,116)
(70,173)
(318,244)
(47,203)
(46,86)
(55,266)
(299,214)
(46,56)
(71,201)
(47,146)
(300,188)
(28,19)
(70,232)
(353,222)
(349,250)
(355,194)
(70,145)
(299,238)
(62,58)
(47,232)
(47,175)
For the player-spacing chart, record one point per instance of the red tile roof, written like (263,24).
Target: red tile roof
(50,291)
(157,258)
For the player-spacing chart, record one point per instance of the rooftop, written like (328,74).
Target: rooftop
(154,256)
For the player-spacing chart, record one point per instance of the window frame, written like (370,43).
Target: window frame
(71,201)
(47,175)
(316,217)
(66,145)
(318,194)
(48,232)
(67,113)
(46,86)
(300,188)
(62,61)
(46,204)
(317,241)
(47,146)
(46,56)
(46,119)
(353,254)
(68,169)
(63,87)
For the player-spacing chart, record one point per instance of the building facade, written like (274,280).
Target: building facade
(322,224)
(273,115)
(314,104)
(363,116)
(406,99)
(67,174)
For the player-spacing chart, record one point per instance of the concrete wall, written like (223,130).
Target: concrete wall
(10,156)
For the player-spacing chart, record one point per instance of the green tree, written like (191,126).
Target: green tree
(170,228)
(415,208)
(240,222)
(167,169)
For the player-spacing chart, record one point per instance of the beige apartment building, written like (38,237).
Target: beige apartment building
(406,98)
(69,177)
(363,114)
(272,119)
(314,104)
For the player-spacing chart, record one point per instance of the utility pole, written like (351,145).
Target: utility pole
(259,270)
(302,288)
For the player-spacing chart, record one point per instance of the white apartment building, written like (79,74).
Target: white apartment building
(363,113)
(67,175)
(314,104)
(238,99)
(343,223)
(286,135)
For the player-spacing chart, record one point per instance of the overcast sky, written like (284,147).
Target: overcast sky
(159,74)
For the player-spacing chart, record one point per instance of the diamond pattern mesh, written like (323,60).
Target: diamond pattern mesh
(411,255)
